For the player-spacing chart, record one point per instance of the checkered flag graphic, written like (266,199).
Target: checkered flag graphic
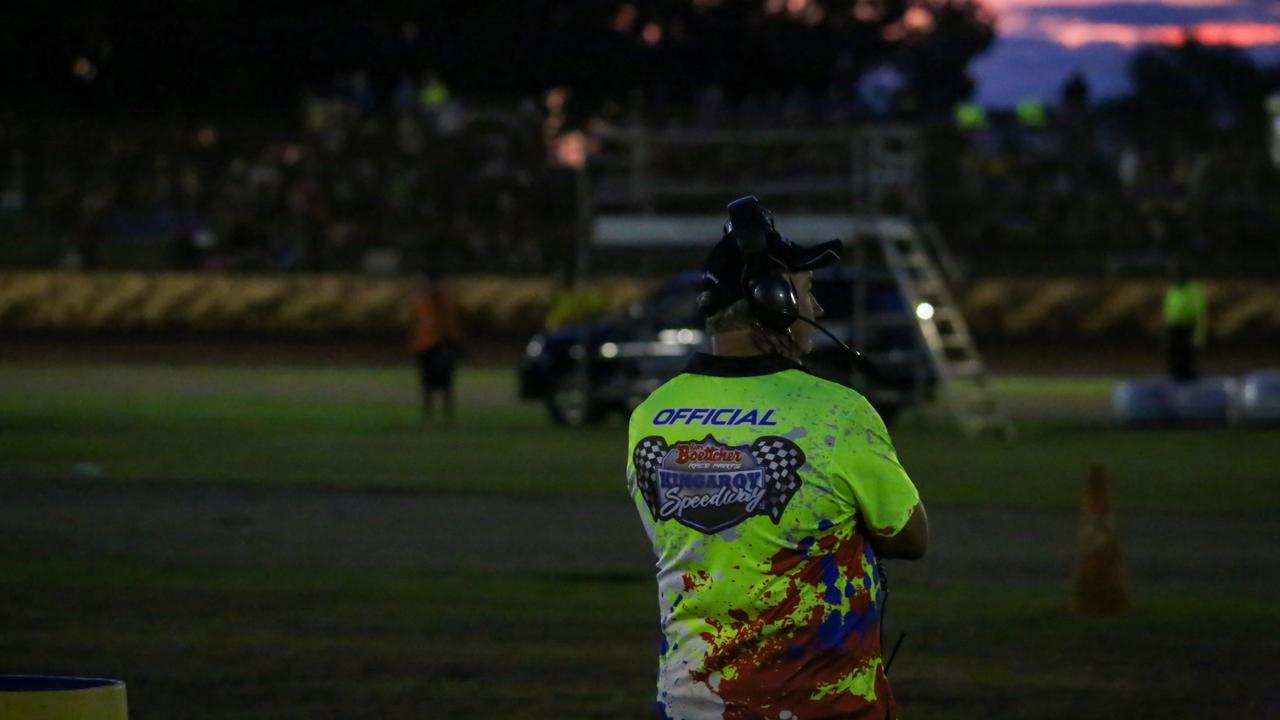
(779,458)
(647,456)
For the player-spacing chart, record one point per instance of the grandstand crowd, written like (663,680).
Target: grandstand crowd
(357,181)
(1101,197)
(347,186)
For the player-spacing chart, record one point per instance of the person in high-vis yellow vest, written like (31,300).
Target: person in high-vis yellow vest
(1186,322)
(570,306)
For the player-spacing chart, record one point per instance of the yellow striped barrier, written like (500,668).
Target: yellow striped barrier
(318,305)
(302,305)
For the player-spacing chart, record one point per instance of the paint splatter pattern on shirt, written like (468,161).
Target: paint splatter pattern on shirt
(775,618)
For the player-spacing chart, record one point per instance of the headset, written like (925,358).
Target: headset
(766,283)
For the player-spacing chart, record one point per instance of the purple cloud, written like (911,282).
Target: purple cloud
(1042,41)
(1148,14)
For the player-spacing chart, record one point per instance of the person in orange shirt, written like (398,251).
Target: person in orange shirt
(434,339)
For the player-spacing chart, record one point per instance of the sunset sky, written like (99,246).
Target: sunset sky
(1041,41)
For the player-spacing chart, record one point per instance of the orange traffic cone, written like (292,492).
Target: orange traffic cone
(1099,587)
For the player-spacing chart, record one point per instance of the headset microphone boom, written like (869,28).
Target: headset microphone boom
(766,285)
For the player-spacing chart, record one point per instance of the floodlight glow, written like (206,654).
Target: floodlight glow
(84,69)
(924,311)
(681,336)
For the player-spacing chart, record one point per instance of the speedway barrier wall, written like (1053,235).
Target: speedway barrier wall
(498,307)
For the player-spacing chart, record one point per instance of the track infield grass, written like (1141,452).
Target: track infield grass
(201,640)
(360,428)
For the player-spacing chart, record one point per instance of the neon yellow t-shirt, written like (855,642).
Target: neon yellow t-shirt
(757,483)
(1185,304)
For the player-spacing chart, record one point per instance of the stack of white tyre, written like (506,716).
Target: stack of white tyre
(1145,401)
(1254,399)
(1260,397)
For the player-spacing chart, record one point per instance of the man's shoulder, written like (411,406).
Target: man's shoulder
(822,385)
(799,384)
(662,393)
(819,391)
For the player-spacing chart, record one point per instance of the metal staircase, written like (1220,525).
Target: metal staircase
(964,382)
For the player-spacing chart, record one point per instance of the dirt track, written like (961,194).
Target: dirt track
(544,534)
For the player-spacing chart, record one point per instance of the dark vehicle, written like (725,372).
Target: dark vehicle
(585,371)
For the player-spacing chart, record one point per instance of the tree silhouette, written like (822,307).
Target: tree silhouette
(1196,94)
(938,55)
(671,50)
(241,54)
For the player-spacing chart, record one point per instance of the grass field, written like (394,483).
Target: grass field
(359,428)
(227,613)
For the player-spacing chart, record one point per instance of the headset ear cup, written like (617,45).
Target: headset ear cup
(773,298)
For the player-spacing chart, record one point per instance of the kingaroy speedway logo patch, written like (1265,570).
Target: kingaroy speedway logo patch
(709,486)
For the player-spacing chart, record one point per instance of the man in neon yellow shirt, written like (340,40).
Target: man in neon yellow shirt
(1186,321)
(769,494)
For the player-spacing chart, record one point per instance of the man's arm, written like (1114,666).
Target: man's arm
(910,542)
(890,512)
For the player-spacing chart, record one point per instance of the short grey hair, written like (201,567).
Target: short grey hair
(740,316)
(737,316)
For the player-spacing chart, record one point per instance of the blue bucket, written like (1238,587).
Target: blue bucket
(59,697)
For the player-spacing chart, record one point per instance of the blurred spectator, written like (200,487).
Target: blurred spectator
(573,304)
(435,339)
(1186,321)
